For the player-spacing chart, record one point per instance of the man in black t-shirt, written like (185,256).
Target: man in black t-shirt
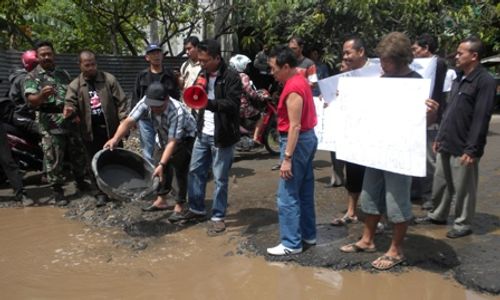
(97,100)
(155,72)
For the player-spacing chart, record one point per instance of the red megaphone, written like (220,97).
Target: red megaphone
(195,97)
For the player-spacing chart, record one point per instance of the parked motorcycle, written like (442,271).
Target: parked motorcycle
(25,150)
(269,136)
(21,137)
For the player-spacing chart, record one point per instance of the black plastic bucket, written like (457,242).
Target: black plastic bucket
(123,174)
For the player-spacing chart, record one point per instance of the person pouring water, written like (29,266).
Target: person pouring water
(176,128)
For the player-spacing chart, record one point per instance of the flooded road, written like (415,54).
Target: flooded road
(45,256)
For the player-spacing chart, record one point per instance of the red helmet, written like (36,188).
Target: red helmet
(29,60)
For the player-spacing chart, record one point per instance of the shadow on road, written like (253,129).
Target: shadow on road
(485,223)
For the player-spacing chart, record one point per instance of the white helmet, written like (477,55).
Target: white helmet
(239,62)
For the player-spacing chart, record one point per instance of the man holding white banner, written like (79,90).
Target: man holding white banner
(354,57)
(424,47)
(388,192)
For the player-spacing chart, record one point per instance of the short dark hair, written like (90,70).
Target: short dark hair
(476,45)
(283,55)
(397,47)
(427,40)
(86,52)
(193,40)
(211,46)
(357,42)
(45,43)
(300,41)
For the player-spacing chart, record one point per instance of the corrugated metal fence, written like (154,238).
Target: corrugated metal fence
(125,68)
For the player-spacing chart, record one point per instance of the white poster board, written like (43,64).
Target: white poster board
(382,123)
(426,67)
(327,118)
(329,86)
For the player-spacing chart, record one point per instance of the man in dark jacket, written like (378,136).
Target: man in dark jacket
(155,72)
(98,100)
(461,140)
(218,131)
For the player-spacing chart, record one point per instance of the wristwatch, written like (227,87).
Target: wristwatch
(162,164)
(288,156)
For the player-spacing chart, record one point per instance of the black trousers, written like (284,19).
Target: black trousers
(178,164)
(9,166)
(354,177)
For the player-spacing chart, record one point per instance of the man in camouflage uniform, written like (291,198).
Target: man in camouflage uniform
(45,88)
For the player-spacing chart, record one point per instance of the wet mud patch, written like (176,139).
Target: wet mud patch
(421,251)
(150,228)
(141,228)
(479,267)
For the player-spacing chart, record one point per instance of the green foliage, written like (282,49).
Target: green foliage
(121,26)
(325,24)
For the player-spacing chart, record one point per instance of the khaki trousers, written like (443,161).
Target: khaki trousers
(452,180)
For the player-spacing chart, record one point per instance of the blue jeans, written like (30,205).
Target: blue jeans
(205,154)
(147,135)
(296,196)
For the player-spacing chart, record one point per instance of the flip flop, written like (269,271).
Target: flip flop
(344,221)
(393,261)
(353,248)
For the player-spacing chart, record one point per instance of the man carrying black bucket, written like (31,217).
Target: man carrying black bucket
(176,129)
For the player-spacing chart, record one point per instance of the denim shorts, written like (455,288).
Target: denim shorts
(386,193)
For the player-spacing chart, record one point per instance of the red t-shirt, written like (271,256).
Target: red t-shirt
(299,85)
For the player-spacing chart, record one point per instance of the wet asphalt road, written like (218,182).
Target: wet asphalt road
(474,261)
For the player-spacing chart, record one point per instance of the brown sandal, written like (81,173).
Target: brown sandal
(353,248)
(344,221)
(393,261)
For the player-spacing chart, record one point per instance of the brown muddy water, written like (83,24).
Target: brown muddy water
(45,256)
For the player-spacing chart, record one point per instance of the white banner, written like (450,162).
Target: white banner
(383,124)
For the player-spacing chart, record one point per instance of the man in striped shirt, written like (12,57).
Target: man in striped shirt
(176,129)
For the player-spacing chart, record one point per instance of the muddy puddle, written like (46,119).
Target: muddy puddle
(45,256)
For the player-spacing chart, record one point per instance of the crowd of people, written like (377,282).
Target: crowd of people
(78,117)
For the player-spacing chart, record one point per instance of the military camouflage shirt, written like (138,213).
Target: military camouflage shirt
(51,119)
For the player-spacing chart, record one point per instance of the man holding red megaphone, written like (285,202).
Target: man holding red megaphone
(217,95)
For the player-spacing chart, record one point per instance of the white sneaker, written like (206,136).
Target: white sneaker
(282,250)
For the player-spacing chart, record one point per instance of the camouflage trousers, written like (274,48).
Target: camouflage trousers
(55,149)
